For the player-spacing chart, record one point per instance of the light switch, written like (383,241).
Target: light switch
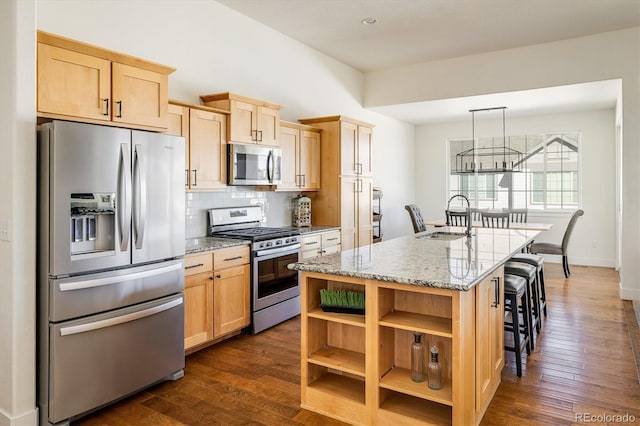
(5,231)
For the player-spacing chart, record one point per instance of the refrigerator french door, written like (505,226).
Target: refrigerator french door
(111,240)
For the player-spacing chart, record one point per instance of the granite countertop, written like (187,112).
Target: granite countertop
(200,244)
(456,264)
(316,228)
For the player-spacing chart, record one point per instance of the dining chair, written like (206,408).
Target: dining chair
(517,215)
(416,218)
(456,218)
(559,249)
(495,219)
(476,214)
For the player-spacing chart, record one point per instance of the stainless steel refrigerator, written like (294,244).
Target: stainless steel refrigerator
(111,238)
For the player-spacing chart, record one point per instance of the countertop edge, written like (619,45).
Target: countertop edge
(387,278)
(212,243)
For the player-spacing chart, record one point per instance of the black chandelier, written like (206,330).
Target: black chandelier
(492,159)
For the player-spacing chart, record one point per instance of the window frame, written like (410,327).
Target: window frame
(546,138)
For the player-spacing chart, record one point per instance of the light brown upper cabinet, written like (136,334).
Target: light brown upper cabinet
(346,189)
(82,82)
(300,146)
(251,120)
(205,133)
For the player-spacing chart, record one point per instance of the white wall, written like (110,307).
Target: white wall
(216,49)
(597,129)
(17,207)
(603,56)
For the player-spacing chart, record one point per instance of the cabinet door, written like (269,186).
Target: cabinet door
(289,143)
(243,122)
(310,160)
(268,126)
(364,211)
(198,309)
(348,213)
(139,96)
(231,300)
(365,138)
(178,125)
(207,155)
(348,148)
(73,84)
(489,338)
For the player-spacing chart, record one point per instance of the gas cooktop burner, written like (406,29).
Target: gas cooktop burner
(258,233)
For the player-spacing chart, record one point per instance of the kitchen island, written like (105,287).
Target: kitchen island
(356,368)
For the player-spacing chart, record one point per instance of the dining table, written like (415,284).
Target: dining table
(526,226)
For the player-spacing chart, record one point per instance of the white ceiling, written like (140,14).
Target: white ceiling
(414,31)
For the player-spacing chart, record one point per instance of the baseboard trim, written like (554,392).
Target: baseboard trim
(582,261)
(25,419)
(634,332)
(629,293)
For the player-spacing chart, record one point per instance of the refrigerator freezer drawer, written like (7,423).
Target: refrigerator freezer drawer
(96,360)
(75,297)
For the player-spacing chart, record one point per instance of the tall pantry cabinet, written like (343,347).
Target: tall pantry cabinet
(346,188)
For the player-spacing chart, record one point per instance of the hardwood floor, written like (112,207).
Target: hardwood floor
(582,365)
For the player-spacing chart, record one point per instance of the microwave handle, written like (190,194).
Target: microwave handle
(270,166)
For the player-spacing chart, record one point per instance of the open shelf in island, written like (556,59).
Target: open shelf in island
(399,380)
(400,409)
(339,359)
(351,319)
(356,368)
(338,396)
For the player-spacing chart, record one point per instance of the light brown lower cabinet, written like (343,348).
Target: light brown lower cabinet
(357,368)
(217,295)
(320,244)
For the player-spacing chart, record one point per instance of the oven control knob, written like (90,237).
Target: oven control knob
(278,242)
(261,245)
(269,243)
(287,241)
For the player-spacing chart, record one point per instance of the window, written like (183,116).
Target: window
(549,179)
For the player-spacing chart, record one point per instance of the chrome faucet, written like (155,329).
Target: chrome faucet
(468,231)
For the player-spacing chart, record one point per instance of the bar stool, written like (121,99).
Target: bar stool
(530,274)
(538,262)
(515,288)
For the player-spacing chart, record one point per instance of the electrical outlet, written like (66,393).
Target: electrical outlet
(5,231)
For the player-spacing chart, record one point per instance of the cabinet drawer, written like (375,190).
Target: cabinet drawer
(309,254)
(198,263)
(331,238)
(326,251)
(234,256)
(311,242)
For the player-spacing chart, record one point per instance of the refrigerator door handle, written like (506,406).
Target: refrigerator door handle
(98,282)
(140,199)
(124,197)
(96,325)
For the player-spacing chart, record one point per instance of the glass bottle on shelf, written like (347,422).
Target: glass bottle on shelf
(434,372)
(417,358)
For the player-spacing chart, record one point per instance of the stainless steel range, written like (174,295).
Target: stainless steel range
(275,290)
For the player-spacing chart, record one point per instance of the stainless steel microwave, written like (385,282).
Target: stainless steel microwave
(253,165)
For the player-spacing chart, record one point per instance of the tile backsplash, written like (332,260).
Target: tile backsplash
(276,206)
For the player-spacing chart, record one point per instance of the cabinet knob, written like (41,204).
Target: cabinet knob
(218,276)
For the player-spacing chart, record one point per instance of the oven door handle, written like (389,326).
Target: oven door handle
(266,252)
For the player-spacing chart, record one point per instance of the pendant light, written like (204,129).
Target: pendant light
(492,159)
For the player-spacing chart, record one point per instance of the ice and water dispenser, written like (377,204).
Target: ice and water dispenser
(92,223)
